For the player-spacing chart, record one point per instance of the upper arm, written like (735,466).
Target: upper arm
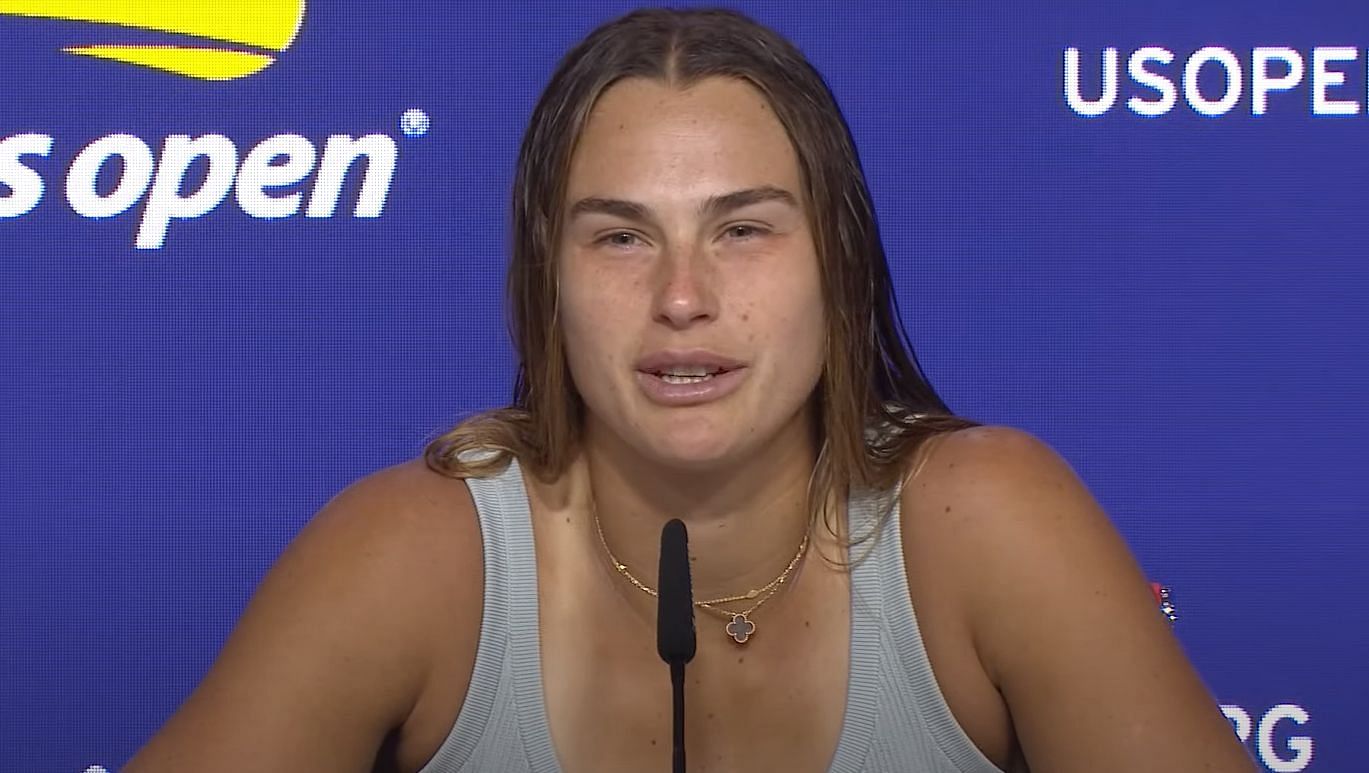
(334,649)
(1063,619)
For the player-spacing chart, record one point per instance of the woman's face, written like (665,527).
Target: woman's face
(690,297)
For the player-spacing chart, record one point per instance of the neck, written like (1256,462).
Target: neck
(745,521)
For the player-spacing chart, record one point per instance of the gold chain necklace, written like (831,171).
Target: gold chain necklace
(740,627)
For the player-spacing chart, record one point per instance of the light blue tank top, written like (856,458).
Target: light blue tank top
(896,719)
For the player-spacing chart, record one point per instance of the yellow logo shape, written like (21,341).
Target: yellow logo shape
(270,25)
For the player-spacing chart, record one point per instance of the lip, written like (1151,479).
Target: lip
(656,389)
(658,361)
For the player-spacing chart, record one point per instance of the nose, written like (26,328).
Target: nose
(686,292)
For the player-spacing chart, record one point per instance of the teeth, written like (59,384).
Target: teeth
(671,378)
(687,370)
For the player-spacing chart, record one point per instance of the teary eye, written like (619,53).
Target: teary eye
(619,239)
(743,231)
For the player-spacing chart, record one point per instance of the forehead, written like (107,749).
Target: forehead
(646,139)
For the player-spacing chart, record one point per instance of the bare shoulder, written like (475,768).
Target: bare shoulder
(972,473)
(1060,614)
(337,647)
(409,503)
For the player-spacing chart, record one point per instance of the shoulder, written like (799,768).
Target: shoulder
(955,489)
(341,640)
(1059,614)
(415,538)
(408,527)
(989,478)
(1006,514)
(406,498)
(986,479)
(408,540)
(401,515)
(986,454)
(976,488)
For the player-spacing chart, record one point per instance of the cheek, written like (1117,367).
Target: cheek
(799,293)
(808,343)
(593,315)
(788,319)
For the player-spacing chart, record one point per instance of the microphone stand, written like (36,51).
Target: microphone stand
(677,686)
(675,639)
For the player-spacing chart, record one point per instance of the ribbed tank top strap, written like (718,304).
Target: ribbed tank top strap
(863,681)
(508,653)
(916,685)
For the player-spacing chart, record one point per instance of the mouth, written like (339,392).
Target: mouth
(688,377)
(680,374)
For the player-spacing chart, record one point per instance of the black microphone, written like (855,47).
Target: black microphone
(675,621)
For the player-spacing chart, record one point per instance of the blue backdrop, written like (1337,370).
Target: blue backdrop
(1162,273)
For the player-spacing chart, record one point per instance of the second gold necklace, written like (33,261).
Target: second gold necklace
(740,626)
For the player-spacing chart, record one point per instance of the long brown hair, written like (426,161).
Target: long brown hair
(874,407)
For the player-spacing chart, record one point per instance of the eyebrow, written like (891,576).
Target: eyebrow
(713,206)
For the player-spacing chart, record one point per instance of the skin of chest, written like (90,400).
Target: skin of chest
(775,702)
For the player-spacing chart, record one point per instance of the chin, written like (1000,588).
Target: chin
(693,455)
(693,448)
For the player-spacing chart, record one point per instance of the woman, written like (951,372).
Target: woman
(702,307)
